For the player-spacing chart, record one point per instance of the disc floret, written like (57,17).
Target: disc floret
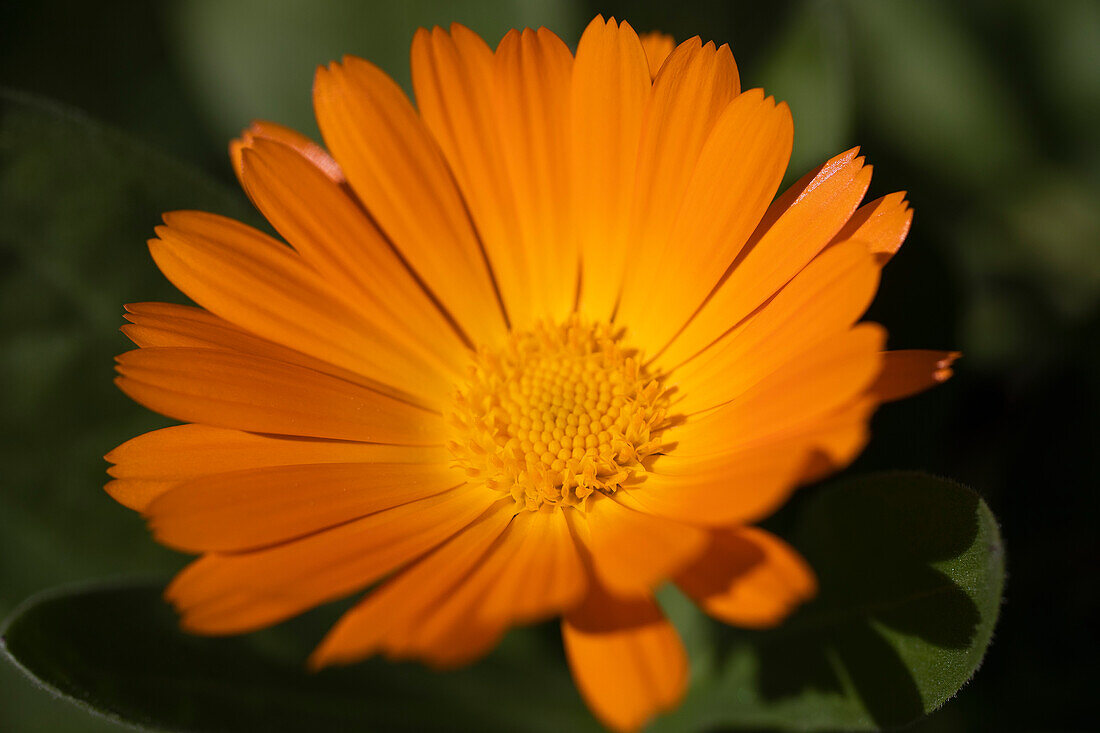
(558,414)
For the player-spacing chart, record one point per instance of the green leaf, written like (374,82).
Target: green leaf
(267,73)
(118,652)
(911,571)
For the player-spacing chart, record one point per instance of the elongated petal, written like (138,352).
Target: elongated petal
(532,72)
(171,325)
(906,373)
(883,224)
(632,552)
(749,578)
(335,236)
(229,594)
(609,89)
(151,464)
(821,302)
(395,617)
(739,169)
(822,379)
(252,508)
(740,462)
(266,288)
(456,93)
(796,227)
(243,392)
(189,451)
(400,177)
(294,140)
(694,87)
(626,658)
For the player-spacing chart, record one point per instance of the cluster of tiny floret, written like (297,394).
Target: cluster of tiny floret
(560,413)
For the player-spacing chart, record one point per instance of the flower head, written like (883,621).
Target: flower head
(536,346)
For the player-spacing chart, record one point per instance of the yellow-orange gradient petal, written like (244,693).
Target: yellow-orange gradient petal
(736,176)
(609,90)
(293,139)
(797,226)
(150,464)
(266,288)
(657,47)
(253,393)
(229,594)
(399,175)
(532,71)
(333,235)
(910,372)
(883,224)
(822,301)
(632,552)
(689,95)
(738,463)
(168,324)
(749,578)
(456,93)
(392,618)
(253,508)
(626,658)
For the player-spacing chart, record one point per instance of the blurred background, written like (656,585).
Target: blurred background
(986,112)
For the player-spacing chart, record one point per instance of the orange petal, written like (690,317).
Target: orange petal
(532,72)
(906,373)
(456,94)
(399,175)
(251,280)
(535,573)
(796,227)
(633,552)
(657,47)
(189,451)
(151,464)
(689,95)
(740,486)
(390,618)
(294,140)
(627,659)
(230,594)
(243,392)
(821,302)
(883,224)
(249,509)
(736,176)
(820,380)
(333,235)
(610,85)
(168,324)
(740,462)
(136,493)
(748,577)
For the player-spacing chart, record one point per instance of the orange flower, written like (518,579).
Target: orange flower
(533,350)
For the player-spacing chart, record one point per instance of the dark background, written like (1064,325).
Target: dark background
(986,112)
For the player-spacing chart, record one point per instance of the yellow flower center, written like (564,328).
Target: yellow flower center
(560,412)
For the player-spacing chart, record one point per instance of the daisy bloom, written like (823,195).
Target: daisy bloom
(533,347)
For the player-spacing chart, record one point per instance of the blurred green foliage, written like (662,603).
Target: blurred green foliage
(985,111)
